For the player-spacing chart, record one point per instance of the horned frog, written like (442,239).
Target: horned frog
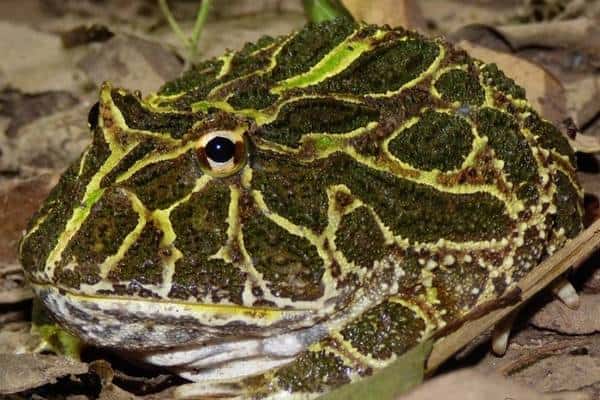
(290,217)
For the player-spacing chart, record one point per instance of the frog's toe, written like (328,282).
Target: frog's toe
(565,292)
(210,390)
(501,333)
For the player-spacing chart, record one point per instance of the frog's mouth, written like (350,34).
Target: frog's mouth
(153,324)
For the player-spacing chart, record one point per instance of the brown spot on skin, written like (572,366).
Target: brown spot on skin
(335,269)
(384,330)
(500,284)
(343,199)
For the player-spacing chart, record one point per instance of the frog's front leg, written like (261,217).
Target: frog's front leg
(314,371)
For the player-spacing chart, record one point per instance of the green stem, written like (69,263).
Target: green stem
(164,7)
(198,27)
(190,43)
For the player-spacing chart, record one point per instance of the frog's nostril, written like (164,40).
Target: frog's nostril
(93,116)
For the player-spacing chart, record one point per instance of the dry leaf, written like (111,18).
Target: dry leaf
(23,108)
(561,373)
(544,91)
(19,372)
(405,13)
(113,392)
(131,62)
(50,142)
(557,317)
(19,199)
(472,385)
(33,61)
(582,34)
(16,338)
(449,15)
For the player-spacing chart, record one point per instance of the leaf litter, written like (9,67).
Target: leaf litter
(550,47)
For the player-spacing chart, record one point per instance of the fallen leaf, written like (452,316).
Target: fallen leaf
(21,69)
(243,8)
(19,199)
(19,372)
(563,372)
(50,142)
(113,392)
(450,15)
(557,317)
(472,385)
(131,62)
(404,13)
(13,288)
(16,338)
(582,34)
(83,34)
(23,108)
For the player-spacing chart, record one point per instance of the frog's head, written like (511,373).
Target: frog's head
(187,220)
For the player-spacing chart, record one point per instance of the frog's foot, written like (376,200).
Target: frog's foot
(565,292)
(501,333)
(562,289)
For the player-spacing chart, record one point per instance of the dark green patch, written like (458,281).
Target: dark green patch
(313,372)
(160,184)
(459,85)
(568,206)
(385,330)
(291,189)
(316,116)
(201,223)
(201,78)
(533,250)
(549,136)
(436,141)
(496,78)
(417,212)
(455,285)
(138,117)
(411,279)
(84,274)
(309,46)
(383,69)
(290,264)
(245,62)
(198,277)
(56,211)
(60,204)
(253,94)
(360,239)
(137,153)
(101,234)
(509,144)
(142,262)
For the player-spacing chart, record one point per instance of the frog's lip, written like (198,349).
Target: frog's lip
(138,323)
(234,309)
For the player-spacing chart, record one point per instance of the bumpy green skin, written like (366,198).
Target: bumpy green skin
(368,147)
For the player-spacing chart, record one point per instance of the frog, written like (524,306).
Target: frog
(295,215)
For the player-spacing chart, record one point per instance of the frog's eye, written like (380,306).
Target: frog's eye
(222,153)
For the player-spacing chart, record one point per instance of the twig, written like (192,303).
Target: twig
(190,43)
(198,27)
(164,7)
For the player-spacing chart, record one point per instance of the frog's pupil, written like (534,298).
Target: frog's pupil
(220,149)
